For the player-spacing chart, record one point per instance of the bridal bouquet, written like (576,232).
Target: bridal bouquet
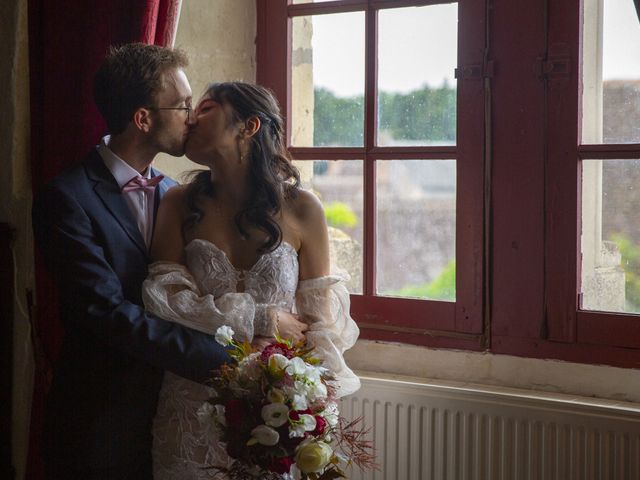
(277,413)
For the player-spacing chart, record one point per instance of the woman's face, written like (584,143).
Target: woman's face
(212,132)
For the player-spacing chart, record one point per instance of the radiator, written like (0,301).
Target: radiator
(438,432)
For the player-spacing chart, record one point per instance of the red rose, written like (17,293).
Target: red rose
(280,464)
(295,414)
(321,425)
(234,412)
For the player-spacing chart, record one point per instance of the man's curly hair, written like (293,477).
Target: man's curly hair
(130,77)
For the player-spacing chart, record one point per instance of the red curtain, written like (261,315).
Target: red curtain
(67,40)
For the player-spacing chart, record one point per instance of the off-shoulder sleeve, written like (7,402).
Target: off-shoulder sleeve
(171,292)
(324,304)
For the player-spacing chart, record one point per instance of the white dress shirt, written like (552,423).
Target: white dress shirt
(141,202)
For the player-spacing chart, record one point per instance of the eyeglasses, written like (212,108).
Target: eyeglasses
(186,109)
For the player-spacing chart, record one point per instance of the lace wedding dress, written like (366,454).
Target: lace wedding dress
(203,296)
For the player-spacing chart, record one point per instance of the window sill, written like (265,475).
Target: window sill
(495,370)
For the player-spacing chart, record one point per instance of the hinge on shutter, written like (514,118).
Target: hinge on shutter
(477,71)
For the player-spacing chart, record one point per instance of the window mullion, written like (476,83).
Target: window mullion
(370,226)
(370,127)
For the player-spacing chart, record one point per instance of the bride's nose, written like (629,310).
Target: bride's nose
(192,119)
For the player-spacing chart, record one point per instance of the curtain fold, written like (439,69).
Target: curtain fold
(67,41)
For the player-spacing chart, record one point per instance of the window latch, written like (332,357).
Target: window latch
(475,72)
(559,66)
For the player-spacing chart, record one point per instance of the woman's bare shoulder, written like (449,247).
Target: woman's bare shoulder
(306,206)
(176,193)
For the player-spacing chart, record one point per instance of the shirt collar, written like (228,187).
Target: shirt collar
(121,170)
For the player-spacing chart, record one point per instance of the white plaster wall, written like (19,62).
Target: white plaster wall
(219,38)
(15,206)
(536,375)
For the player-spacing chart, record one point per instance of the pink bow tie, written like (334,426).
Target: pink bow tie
(141,183)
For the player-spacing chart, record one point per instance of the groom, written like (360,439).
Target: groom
(93,224)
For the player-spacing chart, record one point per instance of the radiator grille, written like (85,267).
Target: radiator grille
(424,432)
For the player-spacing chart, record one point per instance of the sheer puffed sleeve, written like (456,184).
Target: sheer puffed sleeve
(171,292)
(324,304)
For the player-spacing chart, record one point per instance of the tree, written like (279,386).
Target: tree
(422,115)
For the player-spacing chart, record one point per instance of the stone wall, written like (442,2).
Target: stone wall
(15,206)
(219,38)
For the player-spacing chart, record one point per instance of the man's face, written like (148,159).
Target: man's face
(170,125)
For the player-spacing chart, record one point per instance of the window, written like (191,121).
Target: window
(610,185)
(385,104)
(530,182)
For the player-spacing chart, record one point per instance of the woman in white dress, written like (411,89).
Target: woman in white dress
(241,245)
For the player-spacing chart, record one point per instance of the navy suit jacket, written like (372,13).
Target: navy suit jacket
(106,381)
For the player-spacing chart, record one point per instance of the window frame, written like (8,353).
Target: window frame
(456,324)
(567,322)
(530,246)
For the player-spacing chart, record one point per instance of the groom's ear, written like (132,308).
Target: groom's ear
(142,119)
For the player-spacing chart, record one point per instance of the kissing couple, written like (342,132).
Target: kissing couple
(148,269)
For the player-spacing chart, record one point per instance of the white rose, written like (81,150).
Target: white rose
(264,435)
(313,457)
(224,335)
(275,414)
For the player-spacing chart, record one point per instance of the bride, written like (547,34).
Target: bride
(240,245)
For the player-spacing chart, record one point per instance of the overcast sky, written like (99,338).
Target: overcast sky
(418,46)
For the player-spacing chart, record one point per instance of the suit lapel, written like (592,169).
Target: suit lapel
(107,189)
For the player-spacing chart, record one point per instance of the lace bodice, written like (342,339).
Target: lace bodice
(210,292)
(271,280)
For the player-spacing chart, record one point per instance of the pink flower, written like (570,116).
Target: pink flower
(280,348)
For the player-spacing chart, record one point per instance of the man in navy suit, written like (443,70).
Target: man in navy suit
(94,224)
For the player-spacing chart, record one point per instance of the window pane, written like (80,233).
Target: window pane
(416,228)
(611,235)
(611,72)
(339,185)
(417,56)
(327,80)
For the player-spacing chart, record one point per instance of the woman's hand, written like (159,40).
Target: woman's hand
(289,326)
(261,342)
